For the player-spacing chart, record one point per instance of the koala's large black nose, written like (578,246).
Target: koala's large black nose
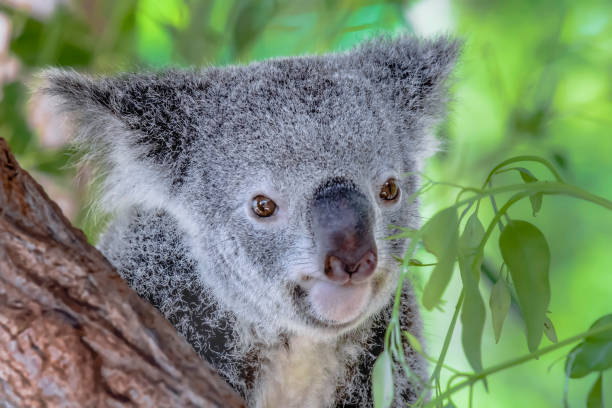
(343,228)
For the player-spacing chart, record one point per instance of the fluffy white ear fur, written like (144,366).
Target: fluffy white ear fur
(105,142)
(415,74)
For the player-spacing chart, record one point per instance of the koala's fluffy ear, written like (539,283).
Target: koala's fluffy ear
(133,126)
(411,73)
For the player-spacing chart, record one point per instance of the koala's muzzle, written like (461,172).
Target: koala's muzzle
(342,225)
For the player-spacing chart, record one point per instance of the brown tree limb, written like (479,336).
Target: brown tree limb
(72,333)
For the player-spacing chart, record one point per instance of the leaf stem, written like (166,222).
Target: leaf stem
(544,187)
(447,340)
(514,362)
(494,205)
(521,191)
(398,291)
(521,159)
(480,251)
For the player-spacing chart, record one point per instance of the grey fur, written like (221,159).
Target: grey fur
(182,154)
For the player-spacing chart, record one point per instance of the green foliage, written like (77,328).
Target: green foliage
(499,303)
(414,342)
(473,311)
(382,381)
(13,125)
(441,239)
(595,398)
(549,330)
(594,353)
(526,254)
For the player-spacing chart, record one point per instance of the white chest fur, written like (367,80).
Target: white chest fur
(303,376)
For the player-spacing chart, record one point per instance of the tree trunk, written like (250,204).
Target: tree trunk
(72,333)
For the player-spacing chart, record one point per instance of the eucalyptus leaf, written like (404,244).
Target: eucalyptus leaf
(499,303)
(414,342)
(594,353)
(526,253)
(440,238)
(473,310)
(606,385)
(527,175)
(604,336)
(535,199)
(469,244)
(549,330)
(536,202)
(472,320)
(595,397)
(382,381)
(591,357)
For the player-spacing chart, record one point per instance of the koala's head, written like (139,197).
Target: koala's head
(285,174)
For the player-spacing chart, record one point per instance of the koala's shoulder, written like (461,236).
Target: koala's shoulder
(147,248)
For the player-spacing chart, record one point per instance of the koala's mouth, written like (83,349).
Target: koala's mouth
(339,303)
(338,308)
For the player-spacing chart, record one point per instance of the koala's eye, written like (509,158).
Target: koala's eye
(263,206)
(389,190)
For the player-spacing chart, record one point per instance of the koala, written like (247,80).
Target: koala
(252,206)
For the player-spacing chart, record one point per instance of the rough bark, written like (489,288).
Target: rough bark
(72,333)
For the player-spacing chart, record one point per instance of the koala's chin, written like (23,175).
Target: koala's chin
(340,303)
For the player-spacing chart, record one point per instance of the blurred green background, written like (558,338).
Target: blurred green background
(535,78)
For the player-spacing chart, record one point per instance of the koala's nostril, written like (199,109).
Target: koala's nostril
(335,269)
(340,272)
(365,267)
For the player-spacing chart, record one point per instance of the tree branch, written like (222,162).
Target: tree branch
(72,333)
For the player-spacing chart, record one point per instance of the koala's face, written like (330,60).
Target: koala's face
(311,181)
(285,175)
